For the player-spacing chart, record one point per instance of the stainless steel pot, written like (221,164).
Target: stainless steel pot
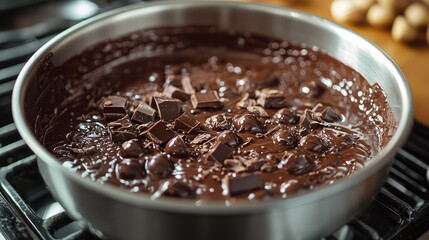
(122,215)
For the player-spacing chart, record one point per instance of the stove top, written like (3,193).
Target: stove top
(27,210)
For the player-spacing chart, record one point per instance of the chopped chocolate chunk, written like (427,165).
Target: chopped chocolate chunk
(159,133)
(208,99)
(286,116)
(285,138)
(330,115)
(298,165)
(174,188)
(187,85)
(186,122)
(122,130)
(159,166)
(218,122)
(230,138)
(144,114)
(244,183)
(220,152)
(269,98)
(248,123)
(168,109)
(307,121)
(174,92)
(131,149)
(313,143)
(130,169)
(176,147)
(114,108)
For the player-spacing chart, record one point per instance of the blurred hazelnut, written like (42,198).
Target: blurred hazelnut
(347,11)
(364,5)
(417,15)
(380,16)
(403,31)
(398,5)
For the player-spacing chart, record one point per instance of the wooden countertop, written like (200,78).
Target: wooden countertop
(413,61)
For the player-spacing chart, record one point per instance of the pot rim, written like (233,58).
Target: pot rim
(213,207)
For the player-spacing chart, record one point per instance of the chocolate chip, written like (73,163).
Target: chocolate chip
(144,114)
(176,147)
(122,130)
(286,116)
(218,122)
(186,122)
(248,123)
(174,92)
(130,169)
(115,107)
(230,138)
(159,133)
(313,143)
(285,138)
(159,166)
(168,109)
(219,152)
(131,149)
(269,98)
(243,183)
(330,115)
(298,165)
(208,99)
(175,188)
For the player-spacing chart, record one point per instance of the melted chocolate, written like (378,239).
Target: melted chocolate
(237,115)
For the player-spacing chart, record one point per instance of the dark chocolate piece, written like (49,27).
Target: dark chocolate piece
(159,133)
(230,138)
(218,122)
(330,115)
(244,183)
(114,108)
(186,122)
(285,138)
(248,123)
(269,98)
(130,169)
(174,81)
(131,149)
(159,166)
(308,121)
(208,99)
(176,147)
(144,114)
(286,116)
(220,152)
(174,92)
(168,109)
(298,165)
(122,130)
(313,143)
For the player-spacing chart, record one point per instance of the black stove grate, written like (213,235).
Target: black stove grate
(399,211)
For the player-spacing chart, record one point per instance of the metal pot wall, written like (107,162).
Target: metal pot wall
(118,214)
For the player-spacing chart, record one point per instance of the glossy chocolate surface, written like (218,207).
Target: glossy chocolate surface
(209,114)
